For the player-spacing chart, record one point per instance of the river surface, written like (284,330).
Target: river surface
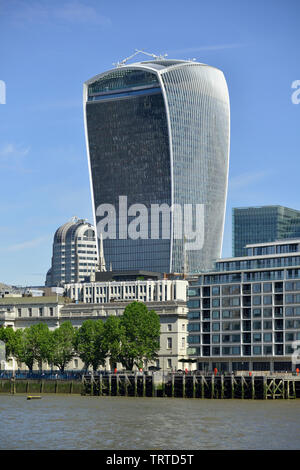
(115,423)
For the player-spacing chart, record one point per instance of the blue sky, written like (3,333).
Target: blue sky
(49,48)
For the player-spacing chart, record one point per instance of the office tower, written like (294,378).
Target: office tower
(262,224)
(157,133)
(74,253)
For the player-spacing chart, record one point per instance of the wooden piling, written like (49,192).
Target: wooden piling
(109,385)
(173,386)
(194,386)
(202,387)
(232,386)
(294,389)
(222,386)
(163,385)
(212,386)
(117,385)
(183,386)
(154,393)
(92,386)
(135,385)
(265,389)
(101,385)
(252,387)
(144,385)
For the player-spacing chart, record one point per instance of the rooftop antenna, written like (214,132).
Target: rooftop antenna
(137,51)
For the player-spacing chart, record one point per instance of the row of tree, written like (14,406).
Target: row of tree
(129,339)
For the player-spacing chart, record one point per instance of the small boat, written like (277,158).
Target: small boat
(33,397)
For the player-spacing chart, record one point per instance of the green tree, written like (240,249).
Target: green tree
(62,345)
(90,345)
(140,340)
(113,338)
(34,345)
(7,335)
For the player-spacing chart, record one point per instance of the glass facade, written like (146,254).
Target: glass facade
(253,313)
(261,225)
(158,133)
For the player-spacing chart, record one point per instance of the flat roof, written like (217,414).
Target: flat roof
(32,300)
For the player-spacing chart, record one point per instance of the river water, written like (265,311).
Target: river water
(115,423)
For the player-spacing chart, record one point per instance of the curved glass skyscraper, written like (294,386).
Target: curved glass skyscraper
(157,134)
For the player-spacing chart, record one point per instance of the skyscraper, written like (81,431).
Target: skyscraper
(157,135)
(261,225)
(74,253)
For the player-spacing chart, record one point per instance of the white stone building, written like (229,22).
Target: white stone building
(26,311)
(150,290)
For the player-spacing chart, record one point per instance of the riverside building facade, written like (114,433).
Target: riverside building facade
(157,135)
(26,311)
(75,253)
(143,291)
(245,315)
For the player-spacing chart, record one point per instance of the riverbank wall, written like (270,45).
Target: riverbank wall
(172,386)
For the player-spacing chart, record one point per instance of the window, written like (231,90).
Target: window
(267,337)
(256,337)
(19,312)
(268,350)
(267,287)
(215,290)
(256,300)
(51,311)
(267,312)
(41,311)
(30,312)
(256,288)
(169,327)
(183,342)
(169,343)
(267,300)
(169,363)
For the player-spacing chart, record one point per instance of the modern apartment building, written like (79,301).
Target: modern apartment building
(74,253)
(262,224)
(26,311)
(157,135)
(245,315)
